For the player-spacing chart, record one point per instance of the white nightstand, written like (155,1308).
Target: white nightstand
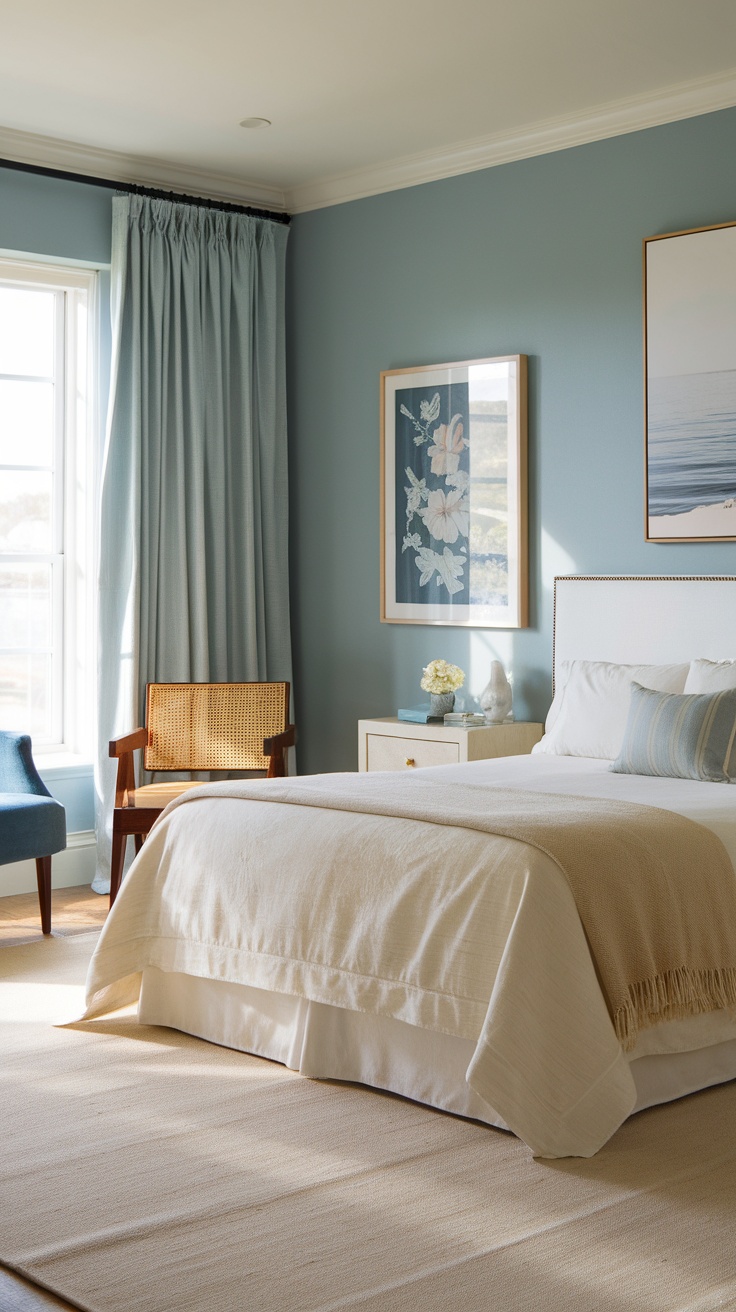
(393,744)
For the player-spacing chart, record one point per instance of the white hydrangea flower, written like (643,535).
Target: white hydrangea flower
(439,676)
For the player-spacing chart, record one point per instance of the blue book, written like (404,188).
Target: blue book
(417,714)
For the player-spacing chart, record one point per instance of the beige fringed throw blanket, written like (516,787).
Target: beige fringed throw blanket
(656,892)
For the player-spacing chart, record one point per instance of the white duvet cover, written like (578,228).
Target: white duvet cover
(481,935)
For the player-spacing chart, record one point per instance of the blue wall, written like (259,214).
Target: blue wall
(542,257)
(49,216)
(66,221)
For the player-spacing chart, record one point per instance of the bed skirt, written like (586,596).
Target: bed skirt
(325,1042)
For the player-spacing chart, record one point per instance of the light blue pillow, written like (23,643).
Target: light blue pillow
(680,736)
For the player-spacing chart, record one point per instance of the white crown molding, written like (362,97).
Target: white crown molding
(72,157)
(686,100)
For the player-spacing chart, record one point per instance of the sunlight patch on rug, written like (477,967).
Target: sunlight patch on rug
(143,1169)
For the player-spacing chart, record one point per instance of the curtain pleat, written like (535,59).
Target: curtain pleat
(193,535)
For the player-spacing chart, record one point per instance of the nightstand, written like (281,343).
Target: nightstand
(393,744)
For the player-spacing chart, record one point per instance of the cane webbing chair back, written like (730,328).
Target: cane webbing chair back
(212,726)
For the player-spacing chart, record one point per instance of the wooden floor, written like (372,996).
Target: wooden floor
(73,911)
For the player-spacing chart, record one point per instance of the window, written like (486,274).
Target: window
(47,420)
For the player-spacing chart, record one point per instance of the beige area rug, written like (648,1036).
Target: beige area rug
(143,1171)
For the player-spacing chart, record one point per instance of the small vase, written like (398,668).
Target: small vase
(440,704)
(496,697)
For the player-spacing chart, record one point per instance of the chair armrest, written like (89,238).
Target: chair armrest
(275,749)
(280,740)
(130,743)
(18,773)
(123,749)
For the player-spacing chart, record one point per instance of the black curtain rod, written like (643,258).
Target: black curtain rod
(277,216)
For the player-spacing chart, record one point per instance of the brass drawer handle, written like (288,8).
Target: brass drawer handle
(409,761)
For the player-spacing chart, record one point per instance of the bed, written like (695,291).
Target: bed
(396,930)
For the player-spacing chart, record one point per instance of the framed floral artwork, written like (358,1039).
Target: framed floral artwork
(454,494)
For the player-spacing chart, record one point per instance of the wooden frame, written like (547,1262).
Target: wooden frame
(454,534)
(690,385)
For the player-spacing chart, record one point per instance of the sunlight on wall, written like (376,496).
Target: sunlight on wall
(486,645)
(555,560)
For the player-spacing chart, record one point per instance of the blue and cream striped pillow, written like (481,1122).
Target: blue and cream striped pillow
(680,735)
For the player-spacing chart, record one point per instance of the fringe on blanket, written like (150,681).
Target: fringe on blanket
(675,995)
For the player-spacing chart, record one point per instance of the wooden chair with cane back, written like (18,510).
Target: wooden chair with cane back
(195,726)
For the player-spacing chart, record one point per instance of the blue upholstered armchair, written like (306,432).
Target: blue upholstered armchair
(32,823)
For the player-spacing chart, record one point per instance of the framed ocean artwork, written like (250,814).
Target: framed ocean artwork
(454,494)
(690,385)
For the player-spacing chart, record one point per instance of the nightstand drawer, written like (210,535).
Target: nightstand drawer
(392,753)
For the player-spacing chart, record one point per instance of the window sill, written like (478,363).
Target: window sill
(63,765)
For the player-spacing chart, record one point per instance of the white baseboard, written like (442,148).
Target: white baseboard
(73,867)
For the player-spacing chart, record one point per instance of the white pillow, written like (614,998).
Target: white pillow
(564,674)
(589,713)
(711,676)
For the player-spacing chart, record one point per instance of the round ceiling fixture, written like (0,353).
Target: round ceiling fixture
(255,123)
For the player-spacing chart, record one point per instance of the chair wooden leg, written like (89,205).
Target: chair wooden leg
(43,876)
(117,862)
(138,840)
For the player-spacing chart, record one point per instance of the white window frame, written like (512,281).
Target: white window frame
(74,547)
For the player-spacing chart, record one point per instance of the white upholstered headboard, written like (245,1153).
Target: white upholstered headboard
(644,620)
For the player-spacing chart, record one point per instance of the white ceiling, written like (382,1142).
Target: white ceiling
(363,97)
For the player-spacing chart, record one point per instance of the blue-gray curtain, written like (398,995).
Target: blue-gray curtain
(193,537)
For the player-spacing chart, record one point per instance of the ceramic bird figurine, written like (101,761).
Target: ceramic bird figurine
(496,697)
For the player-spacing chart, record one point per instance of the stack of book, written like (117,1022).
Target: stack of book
(421,715)
(418,715)
(465,718)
